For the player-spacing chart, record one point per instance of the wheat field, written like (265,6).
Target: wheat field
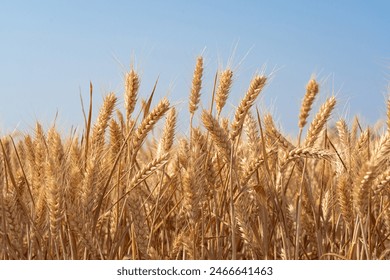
(127,186)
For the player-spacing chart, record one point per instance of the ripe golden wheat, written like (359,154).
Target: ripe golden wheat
(231,189)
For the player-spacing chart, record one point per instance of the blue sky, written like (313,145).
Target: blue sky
(51,50)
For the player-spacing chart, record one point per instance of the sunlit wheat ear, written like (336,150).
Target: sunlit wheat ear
(218,134)
(307,102)
(11,218)
(246,103)
(115,139)
(344,198)
(140,224)
(252,133)
(362,141)
(244,226)
(131,89)
(369,173)
(225,83)
(382,182)
(345,140)
(250,169)
(148,169)
(343,132)
(193,180)
(101,124)
(148,123)
(319,121)
(56,184)
(313,153)
(196,86)
(168,134)
(274,136)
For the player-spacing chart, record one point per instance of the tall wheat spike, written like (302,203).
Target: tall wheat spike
(312,89)
(319,121)
(131,89)
(225,83)
(148,123)
(246,103)
(196,86)
(363,185)
(218,135)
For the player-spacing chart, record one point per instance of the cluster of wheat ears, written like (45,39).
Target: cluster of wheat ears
(231,189)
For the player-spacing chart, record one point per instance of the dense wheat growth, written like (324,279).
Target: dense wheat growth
(231,189)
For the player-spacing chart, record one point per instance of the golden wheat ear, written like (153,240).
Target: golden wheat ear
(312,89)
(218,134)
(319,121)
(99,129)
(196,86)
(168,134)
(148,123)
(225,83)
(132,83)
(257,84)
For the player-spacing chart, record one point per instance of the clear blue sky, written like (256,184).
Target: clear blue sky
(50,50)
